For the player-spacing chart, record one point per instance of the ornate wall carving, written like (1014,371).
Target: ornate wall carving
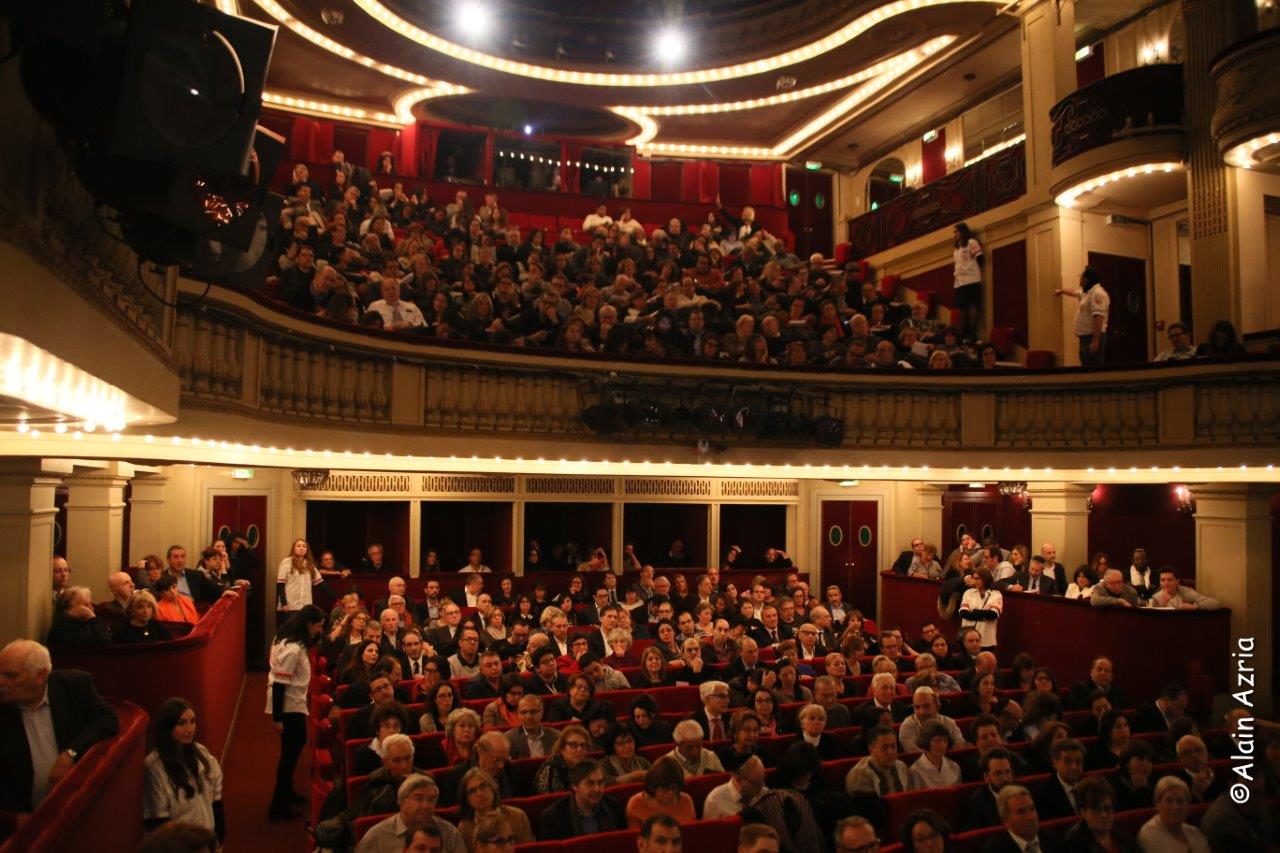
(1078,418)
(759,488)
(461,483)
(569,485)
(659,487)
(366,483)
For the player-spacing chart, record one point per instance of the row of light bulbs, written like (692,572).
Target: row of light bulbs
(552,161)
(1241,156)
(258,452)
(1068,198)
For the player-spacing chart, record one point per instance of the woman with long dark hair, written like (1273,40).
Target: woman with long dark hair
(967,272)
(287,684)
(184,781)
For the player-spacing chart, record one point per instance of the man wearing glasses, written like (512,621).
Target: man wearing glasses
(530,739)
(417,798)
(856,835)
(713,716)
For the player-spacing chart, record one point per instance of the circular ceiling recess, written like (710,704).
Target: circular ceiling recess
(522,115)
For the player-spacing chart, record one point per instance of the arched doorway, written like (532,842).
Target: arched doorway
(886,182)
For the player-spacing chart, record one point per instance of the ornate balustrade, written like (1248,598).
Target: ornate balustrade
(1132,103)
(964,193)
(1246,116)
(241,354)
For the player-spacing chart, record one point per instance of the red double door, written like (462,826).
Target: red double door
(851,553)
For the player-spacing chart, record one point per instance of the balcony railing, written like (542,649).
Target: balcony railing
(239,354)
(1142,100)
(987,184)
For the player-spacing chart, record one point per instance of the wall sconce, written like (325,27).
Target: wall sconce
(1186,502)
(1090,502)
(309,479)
(1154,52)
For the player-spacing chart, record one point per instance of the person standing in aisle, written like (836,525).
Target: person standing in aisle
(287,686)
(967,265)
(295,578)
(1091,317)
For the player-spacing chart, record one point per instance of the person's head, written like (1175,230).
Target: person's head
(812,720)
(1169,580)
(758,837)
(856,835)
(660,833)
(462,726)
(764,703)
(924,831)
(882,745)
(1172,799)
(390,620)
(397,755)
(688,739)
(972,641)
(381,688)
(388,719)
(468,641)
(417,797)
(1192,753)
(1113,580)
(884,687)
(176,556)
(997,768)
(1095,801)
(1018,811)
(925,703)
(1101,671)
(1068,760)
(166,588)
(478,792)
(665,781)
(586,780)
(715,697)
(494,834)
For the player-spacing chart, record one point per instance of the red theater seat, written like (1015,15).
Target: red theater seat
(1001,337)
(1040,359)
(546,223)
(604,842)
(889,286)
(842,253)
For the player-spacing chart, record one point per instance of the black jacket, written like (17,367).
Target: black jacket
(561,819)
(73,632)
(80,719)
(1080,840)
(1023,579)
(1051,800)
(1004,843)
(1078,696)
(760,634)
(203,590)
(979,810)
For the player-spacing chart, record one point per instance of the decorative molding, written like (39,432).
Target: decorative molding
(1130,103)
(569,485)
(463,484)
(667,487)
(759,488)
(365,484)
(1078,418)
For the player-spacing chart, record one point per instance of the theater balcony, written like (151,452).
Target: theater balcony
(1119,145)
(1246,122)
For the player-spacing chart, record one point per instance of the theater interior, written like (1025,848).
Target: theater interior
(174,371)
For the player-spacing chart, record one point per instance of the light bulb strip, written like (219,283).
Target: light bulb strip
(555,161)
(307,106)
(996,149)
(1241,156)
(839,37)
(1068,198)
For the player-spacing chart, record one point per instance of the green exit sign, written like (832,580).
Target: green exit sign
(242,473)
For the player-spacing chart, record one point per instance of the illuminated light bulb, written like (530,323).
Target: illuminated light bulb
(60,428)
(23,427)
(35,433)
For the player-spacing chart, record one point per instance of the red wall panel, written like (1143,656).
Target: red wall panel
(933,163)
(1009,288)
(941,281)
(1125,517)
(735,184)
(665,179)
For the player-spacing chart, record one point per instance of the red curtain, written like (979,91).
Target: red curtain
(933,157)
(690,181)
(570,173)
(735,187)
(381,140)
(766,185)
(311,140)
(406,150)
(486,159)
(428,141)
(642,180)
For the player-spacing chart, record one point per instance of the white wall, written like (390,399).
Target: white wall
(1258,250)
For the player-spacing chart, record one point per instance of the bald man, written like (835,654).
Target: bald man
(47,721)
(121,586)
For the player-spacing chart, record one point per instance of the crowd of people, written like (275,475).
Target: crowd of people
(765,660)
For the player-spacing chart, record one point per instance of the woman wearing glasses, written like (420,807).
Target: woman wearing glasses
(479,802)
(570,749)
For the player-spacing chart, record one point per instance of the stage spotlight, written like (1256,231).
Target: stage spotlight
(671,45)
(475,21)
(828,431)
(603,419)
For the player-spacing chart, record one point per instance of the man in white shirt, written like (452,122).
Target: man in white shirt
(1091,317)
(743,788)
(1021,823)
(475,562)
(396,315)
(689,753)
(473,587)
(1180,348)
(599,219)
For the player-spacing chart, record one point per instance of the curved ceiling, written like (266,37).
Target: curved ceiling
(544,118)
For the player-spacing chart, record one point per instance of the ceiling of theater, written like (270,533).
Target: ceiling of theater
(571,68)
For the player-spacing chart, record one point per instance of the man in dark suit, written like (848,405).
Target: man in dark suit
(984,733)
(1054,569)
(1158,716)
(47,721)
(1195,770)
(194,585)
(1055,797)
(884,690)
(1032,580)
(1022,825)
(381,693)
(824,694)
(980,808)
(713,716)
(374,562)
(445,638)
(585,810)
(770,631)
(530,739)
(596,640)
(488,683)
(1101,677)
(492,755)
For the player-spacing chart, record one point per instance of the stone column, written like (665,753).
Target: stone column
(1210,27)
(95,524)
(26,527)
(1054,241)
(1233,565)
(414,569)
(1060,514)
(929,518)
(146,517)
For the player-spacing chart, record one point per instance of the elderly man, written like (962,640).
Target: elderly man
(1022,825)
(927,709)
(486,684)
(812,721)
(1032,580)
(1114,592)
(689,753)
(121,586)
(744,787)
(980,808)
(530,739)
(47,721)
(416,798)
(713,716)
(1193,755)
(809,646)
(397,314)
(826,693)
(770,631)
(884,688)
(391,638)
(586,811)
(880,773)
(380,794)
(1173,595)
(984,663)
(493,756)
(395,586)
(1101,678)
(821,619)
(928,675)
(856,833)
(1055,797)
(748,658)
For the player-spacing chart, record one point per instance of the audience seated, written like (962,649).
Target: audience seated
(1168,831)
(416,806)
(74,621)
(141,626)
(587,809)
(479,798)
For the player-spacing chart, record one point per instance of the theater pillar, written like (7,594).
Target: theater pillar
(26,527)
(929,517)
(1060,514)
(1233,559)
(1210,26)
(95,524)
(146,517)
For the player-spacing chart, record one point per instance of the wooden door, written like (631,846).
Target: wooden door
(1125,279)
(850,552)
(246,514)
(982,513)
(809,212)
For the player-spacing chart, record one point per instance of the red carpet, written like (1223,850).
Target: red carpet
(249,777)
